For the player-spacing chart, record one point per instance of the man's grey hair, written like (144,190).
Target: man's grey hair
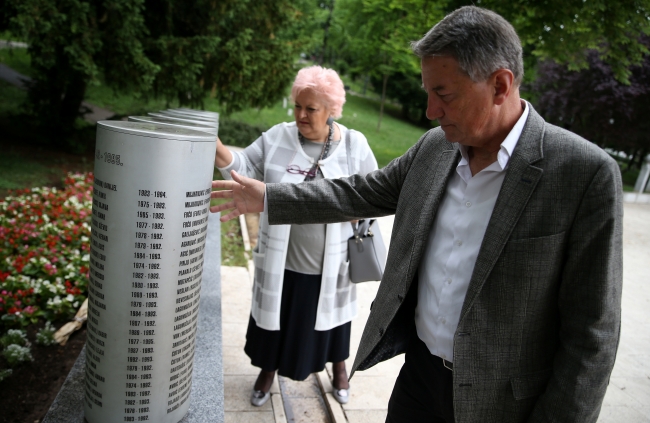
(479,39)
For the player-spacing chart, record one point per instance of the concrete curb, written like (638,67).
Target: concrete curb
(337,414)
(278,404)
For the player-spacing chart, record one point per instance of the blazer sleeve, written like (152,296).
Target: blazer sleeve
(589,301)
(357,196)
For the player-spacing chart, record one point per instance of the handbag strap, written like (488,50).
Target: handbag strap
(357,235)
(362,228)
(348,149)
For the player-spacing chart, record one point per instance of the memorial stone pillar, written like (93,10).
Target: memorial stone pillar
(150,211)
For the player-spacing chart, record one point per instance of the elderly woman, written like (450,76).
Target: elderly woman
(303,300)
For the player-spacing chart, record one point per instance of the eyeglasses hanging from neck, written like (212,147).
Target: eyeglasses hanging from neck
(310,174)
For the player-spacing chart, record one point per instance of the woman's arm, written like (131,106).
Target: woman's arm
(224,156)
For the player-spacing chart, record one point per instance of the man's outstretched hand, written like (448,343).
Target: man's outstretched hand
(247,196)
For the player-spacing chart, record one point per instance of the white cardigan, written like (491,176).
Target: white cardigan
(267,159)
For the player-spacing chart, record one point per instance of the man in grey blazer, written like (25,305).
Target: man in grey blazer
(504,274)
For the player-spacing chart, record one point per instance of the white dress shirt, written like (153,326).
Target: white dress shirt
(454,243)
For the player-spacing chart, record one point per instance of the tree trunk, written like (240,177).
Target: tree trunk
(642,156)
(328,22)
(383,100)
(71,103)
(632,159)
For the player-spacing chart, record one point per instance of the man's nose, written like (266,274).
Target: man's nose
(434,109)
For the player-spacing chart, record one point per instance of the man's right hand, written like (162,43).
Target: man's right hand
(247,196)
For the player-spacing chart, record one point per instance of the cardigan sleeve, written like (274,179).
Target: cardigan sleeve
(249,162)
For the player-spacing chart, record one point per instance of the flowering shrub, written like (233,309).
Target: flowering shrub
(45,336)
(14,336)
(16,347)
(44,251)
(15,354)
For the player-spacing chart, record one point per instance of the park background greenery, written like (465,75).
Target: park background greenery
(238,57)
(587,69)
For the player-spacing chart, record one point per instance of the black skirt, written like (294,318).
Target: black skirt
(297,350)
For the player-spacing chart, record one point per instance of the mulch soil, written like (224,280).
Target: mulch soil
(27,394)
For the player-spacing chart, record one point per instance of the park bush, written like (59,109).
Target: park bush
(44,252)
(239,134)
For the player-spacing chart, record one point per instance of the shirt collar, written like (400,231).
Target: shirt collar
(507,146)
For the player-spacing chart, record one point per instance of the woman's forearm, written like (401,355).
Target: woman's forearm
(223,157)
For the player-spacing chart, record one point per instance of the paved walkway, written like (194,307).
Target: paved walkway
(627,399)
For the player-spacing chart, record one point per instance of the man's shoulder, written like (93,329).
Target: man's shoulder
(559,145)
(564,143)
(435,139)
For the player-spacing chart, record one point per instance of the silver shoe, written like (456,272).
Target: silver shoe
(259,398)
(341,395)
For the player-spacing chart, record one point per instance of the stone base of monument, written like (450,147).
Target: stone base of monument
(206,398)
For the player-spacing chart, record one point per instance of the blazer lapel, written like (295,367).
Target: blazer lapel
(437,181)
(518,185)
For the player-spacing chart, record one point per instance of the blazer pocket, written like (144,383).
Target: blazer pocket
(538,257)
(530,385)
(553,238)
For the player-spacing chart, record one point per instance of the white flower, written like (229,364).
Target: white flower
(84,238)
(69,298)
(85,257)
(54,301)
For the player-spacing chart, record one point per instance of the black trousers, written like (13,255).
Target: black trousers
(423,390)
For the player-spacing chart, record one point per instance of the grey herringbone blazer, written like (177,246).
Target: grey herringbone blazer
(539,328)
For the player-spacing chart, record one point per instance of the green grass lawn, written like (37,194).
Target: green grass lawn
(17,172)
(11,98)
(123,104)
(360,113)
(392,140)
(16,58)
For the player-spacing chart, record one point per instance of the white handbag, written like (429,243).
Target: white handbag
(366,252)
(366,249)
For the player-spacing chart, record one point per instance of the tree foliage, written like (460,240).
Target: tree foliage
(374,35)
(240,52)
(566,31)
(593,103)
(70,42)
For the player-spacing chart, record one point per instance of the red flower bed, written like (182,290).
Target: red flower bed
(44,251)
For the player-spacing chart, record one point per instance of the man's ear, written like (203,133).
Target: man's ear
(503,81)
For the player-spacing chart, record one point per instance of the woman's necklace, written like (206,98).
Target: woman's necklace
(311,175)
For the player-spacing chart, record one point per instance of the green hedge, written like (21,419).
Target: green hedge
(239,134)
